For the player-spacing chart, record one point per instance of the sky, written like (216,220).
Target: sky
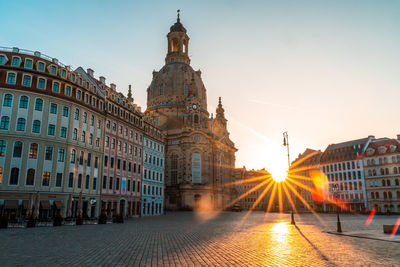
(325,71)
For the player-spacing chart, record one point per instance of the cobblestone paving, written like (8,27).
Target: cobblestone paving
(188,239)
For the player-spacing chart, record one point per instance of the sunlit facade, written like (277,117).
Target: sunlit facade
(382,175)
(200,155)
(51,137)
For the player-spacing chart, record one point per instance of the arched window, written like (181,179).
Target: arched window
(33,151)
(14,176)
(17,149)
(73,155)
(162,89)
(76,116)
(174,45)
(386,171)
(388,182)
(23,102)
(359,185)
(185,50)
(384,195)
(7,102)
(5,123)
(84,117)
(39,104)
(377,195)
(373,172)
(396,182)
(372,195)
(196,118)
(21,124)
(30,177)
(395,170)
(390,194)
(196,168)
(383,183)
(382,171)
(36,126)
(80,181)
(75,134)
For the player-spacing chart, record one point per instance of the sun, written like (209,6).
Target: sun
(279,175)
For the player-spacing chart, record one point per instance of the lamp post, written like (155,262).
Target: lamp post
(286,144)
(335,189)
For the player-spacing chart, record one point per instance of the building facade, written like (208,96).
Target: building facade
(51,137)
(123,149)
(153,170)
(382,175)
(343,166)
(200,155)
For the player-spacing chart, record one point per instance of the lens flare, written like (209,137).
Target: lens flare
(370,217)
(395,228)
(279,175)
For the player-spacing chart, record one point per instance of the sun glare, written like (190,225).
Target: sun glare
(279,175)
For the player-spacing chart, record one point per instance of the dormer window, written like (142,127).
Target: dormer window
(53,70)
(63,73)
(73,77)
(40,66)
(28,63)
(16,61)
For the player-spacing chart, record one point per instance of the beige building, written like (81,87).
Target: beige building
(200,155)
(50,137)
(382,175)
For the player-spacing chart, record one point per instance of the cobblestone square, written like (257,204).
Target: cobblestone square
(207,239)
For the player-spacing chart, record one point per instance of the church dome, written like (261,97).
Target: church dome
(177,27)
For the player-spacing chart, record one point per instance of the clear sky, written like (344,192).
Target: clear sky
(326,71)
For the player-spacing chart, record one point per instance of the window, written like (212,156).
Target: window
(51,129)
(40,66)
(11,78)
(4,123)
(56,87)
(186,89)
(7,102)
(96,162)
(87,181)
(28,63)
(53,70)
(63,132)
(53,108)
(46,179)
(104,182)
(33,151)
(84,117)
(73,155)
(48,153)
(59,179)
(105,161)
(39,104)
(17,149)
(14,176)
(71,180)
(61,155)
(91,139)
(75,134)
(76,115)
(65,111)
(112,162)
(26,81)
(21,124)
(162,89)
(110,184)
(63,72)
(3,148)
(16,61)
(80,181)
(83,137)
(117,184)
(2,59)
(67,91)
(81,158)
(36,126)
(41,83)
(89,159)
(78,94)
(23,102)
(94,185)
(92,120)
(30,177)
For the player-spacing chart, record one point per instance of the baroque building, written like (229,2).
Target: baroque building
(200,155)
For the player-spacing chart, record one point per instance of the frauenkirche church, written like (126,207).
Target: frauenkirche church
(200,157)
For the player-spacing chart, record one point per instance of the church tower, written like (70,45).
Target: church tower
(199,154)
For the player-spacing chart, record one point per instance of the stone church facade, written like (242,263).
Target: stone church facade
(200,157)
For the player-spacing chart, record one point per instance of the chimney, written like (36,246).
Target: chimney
(102,79)
(113,86)
(90,72)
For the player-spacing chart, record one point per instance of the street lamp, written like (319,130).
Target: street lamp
(335,190)
(286,144)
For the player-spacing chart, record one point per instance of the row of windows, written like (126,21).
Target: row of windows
(128,116)
(351,196)
(185,89)
(152,190)
(384,171)
(154,146)
(156,160)
(131,150)
(156,176)
(79,181)
(339,166)
(56,88)
(33,151)
(131,168)
(80,160)
(376,195)
(84,137)
(384,160)
(121,130)
(384,182)
(36,126)
(344,176)
(30,177)
(135,187)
